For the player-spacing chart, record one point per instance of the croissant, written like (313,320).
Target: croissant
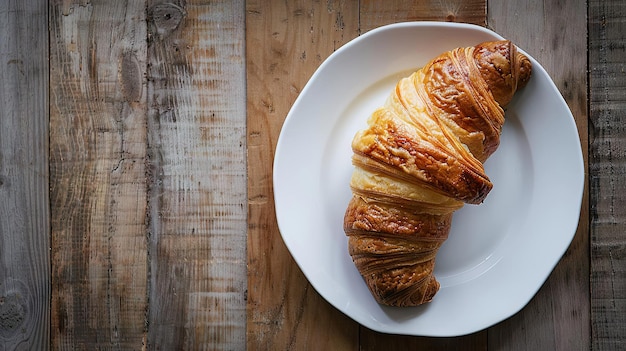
(420,159)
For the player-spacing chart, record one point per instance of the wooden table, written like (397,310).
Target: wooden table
(136,148)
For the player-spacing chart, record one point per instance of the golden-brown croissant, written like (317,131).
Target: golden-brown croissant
(420,159)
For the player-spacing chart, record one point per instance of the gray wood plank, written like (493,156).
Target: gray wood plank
(197,182)
(24,209)
(557,318)
(607,79)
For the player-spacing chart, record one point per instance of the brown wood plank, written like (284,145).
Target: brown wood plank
(97,174)
(24,208)
(376,13)
(607,35)
(557,318)
(197,183)
(285,43)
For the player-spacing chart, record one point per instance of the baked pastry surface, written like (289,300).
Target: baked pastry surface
(420,159)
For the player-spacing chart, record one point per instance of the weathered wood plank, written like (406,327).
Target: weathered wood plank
(607,155)
(557,318)
(24,208)
(285,43)
(197,183)
(376,13)
(97,174)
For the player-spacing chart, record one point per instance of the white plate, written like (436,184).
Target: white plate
(498,253)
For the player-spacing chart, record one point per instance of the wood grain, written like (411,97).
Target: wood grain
(607,80)
(196,175)
(97,171)
(557,317)
(285,43)
(24,208)
(376,13)
(148,175)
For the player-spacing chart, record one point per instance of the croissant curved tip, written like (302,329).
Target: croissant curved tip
(503,67)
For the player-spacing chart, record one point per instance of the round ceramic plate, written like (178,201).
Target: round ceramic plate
(498,254)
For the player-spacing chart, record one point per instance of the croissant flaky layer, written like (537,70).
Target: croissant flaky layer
(420,159)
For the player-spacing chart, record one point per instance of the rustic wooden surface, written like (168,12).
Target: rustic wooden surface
(97,177)
(136,148)
(24,207)
(147,173)
(607,169)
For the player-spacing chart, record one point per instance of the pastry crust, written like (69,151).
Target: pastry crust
(420,159)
